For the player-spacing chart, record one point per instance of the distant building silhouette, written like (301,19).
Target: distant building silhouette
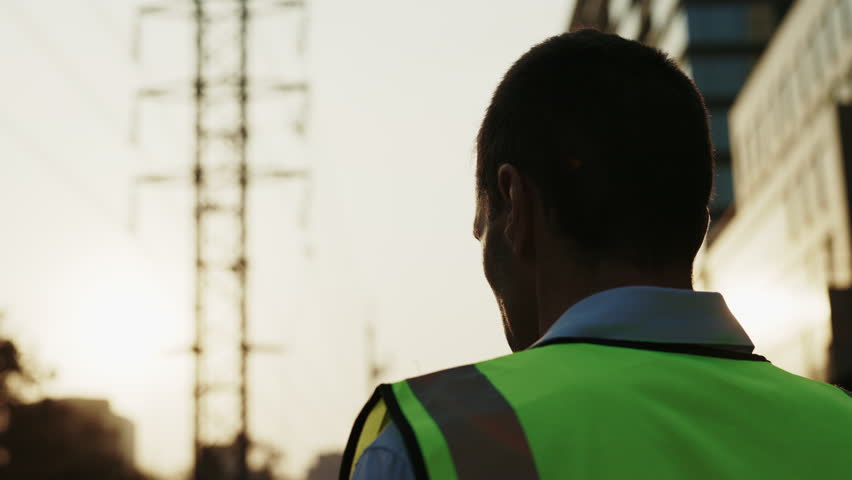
(716,42)
(325,467)
(66,439)
(784,259)
(222,463)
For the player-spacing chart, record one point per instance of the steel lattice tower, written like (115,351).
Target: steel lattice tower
(221,175)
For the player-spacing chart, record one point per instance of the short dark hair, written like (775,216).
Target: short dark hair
(615,137)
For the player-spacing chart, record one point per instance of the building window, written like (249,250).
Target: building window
(762,145)
(817,167)
(840,27)
(737,165)
(754,158)
(845,17)
(787,105)
(805,196)
(727,23)
(719,129)
(831,35)
(806,75)
(816,54)
(720,75)
(816,200)
(717,23)
(776,118)
(798,79)
(794,90)
(794,217)
(828,252)
(825,47)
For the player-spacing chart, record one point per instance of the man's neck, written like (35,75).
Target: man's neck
(560,292)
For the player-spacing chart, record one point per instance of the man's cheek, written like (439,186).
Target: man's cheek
(492,263)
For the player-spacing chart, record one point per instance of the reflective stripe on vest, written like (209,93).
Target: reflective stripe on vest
(472,430)
(600,412)
(482,431)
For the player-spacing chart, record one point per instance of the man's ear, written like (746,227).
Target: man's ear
(517,201)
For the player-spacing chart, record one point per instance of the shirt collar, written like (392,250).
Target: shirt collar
(652,314)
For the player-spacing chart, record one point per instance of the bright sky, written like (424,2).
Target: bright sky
(399,88)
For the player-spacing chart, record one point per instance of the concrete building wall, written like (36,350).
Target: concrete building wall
(789,241)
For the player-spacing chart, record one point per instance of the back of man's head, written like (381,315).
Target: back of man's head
(615,138)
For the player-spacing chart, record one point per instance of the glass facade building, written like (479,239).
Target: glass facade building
(716,42)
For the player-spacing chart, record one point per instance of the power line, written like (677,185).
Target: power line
(58,170)
(70,73)
(107,116)
(72,77)
(64,175)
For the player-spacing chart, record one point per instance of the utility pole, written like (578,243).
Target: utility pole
(375,369)
(221,174)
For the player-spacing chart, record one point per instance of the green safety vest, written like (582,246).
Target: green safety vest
(587,409)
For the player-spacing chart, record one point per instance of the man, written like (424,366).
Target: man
(594,174)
